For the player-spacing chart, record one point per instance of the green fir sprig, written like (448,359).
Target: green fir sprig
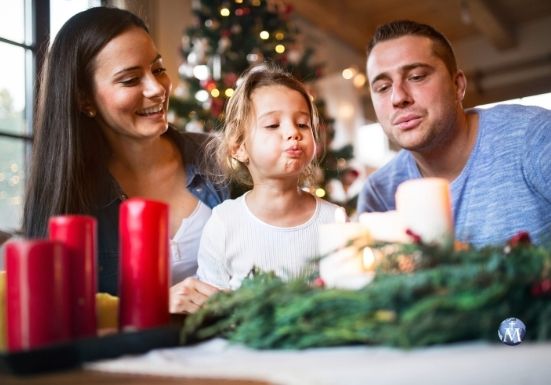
(421,295)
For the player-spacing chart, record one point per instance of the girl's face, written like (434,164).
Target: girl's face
(131,87)
(279,142)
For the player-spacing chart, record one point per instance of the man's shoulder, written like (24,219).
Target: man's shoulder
(514,114)
(513,126)
(379,189)
(393,172)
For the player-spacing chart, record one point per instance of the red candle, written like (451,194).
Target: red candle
(78,234)
(38,293)
(144,264)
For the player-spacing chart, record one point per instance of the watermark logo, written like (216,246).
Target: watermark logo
(511,331)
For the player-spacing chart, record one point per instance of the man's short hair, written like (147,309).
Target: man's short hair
(399,28)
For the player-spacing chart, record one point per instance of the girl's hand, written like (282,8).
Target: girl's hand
(189,295)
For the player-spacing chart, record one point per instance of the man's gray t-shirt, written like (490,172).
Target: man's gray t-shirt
(505,186)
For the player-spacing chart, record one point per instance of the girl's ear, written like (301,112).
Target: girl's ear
(240,153)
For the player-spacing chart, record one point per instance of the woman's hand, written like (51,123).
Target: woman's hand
(188,296)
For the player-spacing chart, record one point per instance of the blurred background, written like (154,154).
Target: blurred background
(502,45)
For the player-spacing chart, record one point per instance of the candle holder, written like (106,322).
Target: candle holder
(78,234)
(37,293)
(343,265)
(144,264)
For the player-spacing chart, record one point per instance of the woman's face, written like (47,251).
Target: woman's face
(131,87)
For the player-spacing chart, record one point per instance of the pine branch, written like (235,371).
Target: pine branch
(446,297)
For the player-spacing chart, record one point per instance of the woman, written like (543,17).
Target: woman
(102,135)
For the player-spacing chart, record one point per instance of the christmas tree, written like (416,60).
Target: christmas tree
(226,38)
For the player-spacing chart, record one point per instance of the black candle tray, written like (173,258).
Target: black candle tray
(74,354)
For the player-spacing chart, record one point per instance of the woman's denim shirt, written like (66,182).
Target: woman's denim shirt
(107,213)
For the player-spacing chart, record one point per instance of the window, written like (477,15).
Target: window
(24,27)
(18,42)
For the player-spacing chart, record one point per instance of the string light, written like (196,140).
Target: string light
(228,92)
(238,1)
(202,96)
(280,48)
(359,80)
(225,12)
(201,72)
(14,180)
(264,35)
(256,3)
(215,92)
(279,35)
(348,73)
(320,193)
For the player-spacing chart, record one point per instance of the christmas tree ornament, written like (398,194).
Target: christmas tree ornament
(223,44)
(236,29)
(227,43)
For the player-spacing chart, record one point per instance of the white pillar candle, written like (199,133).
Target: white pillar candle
(385,227)
(336,236)
(425,208)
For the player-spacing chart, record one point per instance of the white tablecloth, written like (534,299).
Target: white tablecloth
(455,364)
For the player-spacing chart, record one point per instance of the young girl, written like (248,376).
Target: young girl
(269,143)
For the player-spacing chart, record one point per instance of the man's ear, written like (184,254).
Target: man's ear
(460,82)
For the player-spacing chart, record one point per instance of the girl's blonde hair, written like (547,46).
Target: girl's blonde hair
(238,116)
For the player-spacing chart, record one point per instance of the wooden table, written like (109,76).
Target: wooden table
(88,377)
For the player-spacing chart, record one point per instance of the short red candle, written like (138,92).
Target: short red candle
(78,234)
(37,293)
(144,264)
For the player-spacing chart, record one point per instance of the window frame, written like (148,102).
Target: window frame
(35,45)
(37,29)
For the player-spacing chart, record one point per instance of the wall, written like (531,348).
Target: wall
(172,19)
(501,75)
(493,75)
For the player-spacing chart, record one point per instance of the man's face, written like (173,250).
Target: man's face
(416,99)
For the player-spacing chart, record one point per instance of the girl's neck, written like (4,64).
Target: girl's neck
(281,205)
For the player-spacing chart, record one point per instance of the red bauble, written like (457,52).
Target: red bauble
(522,238)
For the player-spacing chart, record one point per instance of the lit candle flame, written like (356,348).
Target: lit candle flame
(368,258)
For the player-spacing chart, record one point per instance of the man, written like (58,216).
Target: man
(498,160)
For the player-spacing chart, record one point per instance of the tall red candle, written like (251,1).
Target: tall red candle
(38,289)
(78,234)
(144,264)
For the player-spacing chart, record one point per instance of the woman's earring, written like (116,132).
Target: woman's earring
(91,114)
